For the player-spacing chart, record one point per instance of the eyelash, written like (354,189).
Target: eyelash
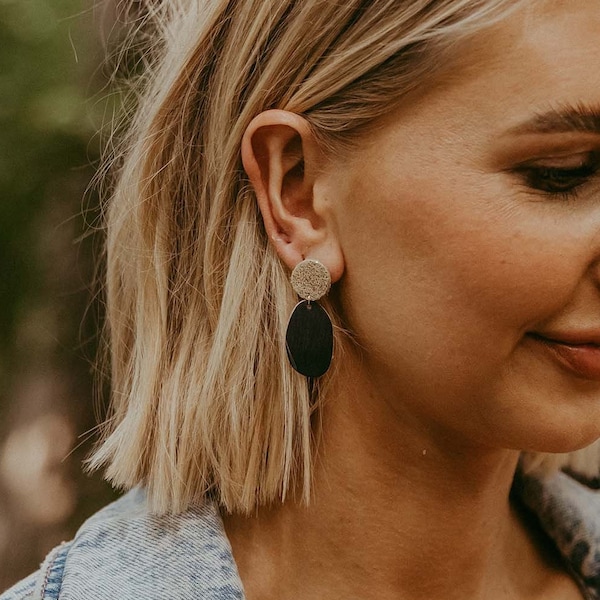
(560,182)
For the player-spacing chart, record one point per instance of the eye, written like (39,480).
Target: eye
(560,176)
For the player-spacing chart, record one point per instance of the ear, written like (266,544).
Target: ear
(282,160)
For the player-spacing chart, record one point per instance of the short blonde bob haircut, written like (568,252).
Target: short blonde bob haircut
(203,398)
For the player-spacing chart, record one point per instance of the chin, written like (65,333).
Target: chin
(549,410)
(562,437)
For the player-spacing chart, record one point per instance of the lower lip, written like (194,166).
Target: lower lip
(582,360)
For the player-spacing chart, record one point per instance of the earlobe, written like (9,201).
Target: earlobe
(281,158)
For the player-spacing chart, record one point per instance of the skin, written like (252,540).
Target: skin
(445,259)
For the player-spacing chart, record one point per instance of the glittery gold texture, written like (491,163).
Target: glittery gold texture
(310,279)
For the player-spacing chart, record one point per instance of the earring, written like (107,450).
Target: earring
(309,336)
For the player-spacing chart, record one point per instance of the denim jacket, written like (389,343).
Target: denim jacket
(123,552)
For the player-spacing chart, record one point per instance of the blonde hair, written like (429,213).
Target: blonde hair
(203,398)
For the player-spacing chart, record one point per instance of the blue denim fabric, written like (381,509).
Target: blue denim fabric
(125,553)
(24,589)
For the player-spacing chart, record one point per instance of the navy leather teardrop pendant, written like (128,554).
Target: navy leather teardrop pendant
(309,339)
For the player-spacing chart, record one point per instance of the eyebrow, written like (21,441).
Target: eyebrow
(565,119)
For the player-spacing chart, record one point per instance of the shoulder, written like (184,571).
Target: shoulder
(126,552)
(45,583)
(24,589)
(569,511)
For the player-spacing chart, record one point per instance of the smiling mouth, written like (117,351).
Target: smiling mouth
(577,355)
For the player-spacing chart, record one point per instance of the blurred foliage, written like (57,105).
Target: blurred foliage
(44,128)
(49,148)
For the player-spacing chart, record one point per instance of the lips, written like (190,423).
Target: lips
(578,353)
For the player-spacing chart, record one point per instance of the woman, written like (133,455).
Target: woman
(437,161)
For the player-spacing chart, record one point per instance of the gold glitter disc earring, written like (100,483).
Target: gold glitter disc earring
(309,336)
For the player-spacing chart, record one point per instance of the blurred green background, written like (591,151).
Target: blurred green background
(53,102)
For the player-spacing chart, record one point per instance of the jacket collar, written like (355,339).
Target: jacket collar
(569,512)
(126,552)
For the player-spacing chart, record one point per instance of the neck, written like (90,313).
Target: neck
(394,514)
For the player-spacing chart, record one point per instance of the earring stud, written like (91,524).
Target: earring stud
(311,279)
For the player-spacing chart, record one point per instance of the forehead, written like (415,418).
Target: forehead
(543,57)
(548,53)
